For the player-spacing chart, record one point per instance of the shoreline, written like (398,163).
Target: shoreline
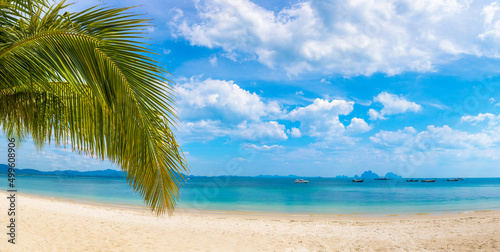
(51,224)
(355,215)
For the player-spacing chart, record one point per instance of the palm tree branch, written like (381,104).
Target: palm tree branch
(34,38)
(110,92)
(92,131)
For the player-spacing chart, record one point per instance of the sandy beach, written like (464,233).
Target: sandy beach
(46,224)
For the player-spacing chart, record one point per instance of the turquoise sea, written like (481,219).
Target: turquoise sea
(282,195)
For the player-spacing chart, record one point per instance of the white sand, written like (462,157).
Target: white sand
(45,224)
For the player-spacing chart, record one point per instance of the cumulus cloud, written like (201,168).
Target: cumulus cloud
(358,125)
(216,108)
(260,131)
(433,138)
(481,117)
(394,138)
(491,22)
(449,138)
(206,130)
(202,130)
(374,115)
(321,118)
(295,132)
(350,37)
(202,99)
(393,104)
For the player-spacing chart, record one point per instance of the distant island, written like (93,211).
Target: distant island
(120,174)
(341,176)
(370,174)
(69,173)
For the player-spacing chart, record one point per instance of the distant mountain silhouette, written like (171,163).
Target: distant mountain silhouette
(4,169)
(368,174)
(119,174)
(392,175)
(341,176)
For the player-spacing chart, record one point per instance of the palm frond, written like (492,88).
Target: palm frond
(85,79)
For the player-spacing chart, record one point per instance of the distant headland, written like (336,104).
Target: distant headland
(69,173)
(370,174)
(120,174)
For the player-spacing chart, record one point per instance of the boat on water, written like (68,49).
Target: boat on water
(452,179)
(358,180)
(428,180)
(301,181)
(412,180)
(382,179)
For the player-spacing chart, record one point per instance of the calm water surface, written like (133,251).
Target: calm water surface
(320,196)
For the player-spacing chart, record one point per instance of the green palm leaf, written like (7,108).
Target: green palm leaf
(84,79)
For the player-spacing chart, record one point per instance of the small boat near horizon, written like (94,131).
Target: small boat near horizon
(428,180)
(452,179)
(358,180)
(301,181)
(382,178)
(412,180)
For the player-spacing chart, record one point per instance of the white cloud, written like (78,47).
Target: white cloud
(374,115)
(449,138)
(394,138)
(358,125)
(263,147)
(166,51)
(491,23)
(492,119)
(201,131)
(435,138)
(206,130)
(325,81)
(489,12)
(220,99)
(302,154)
(150,29)
(492,100)
(295,132)
(213,60)
(393,104)
(479,118)
(217,108)
(274,109)
(260,131)
(177,14)
(350,37)
(321,118)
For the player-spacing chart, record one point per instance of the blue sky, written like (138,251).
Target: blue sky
(325,88)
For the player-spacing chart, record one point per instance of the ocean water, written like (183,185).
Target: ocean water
(282,195)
